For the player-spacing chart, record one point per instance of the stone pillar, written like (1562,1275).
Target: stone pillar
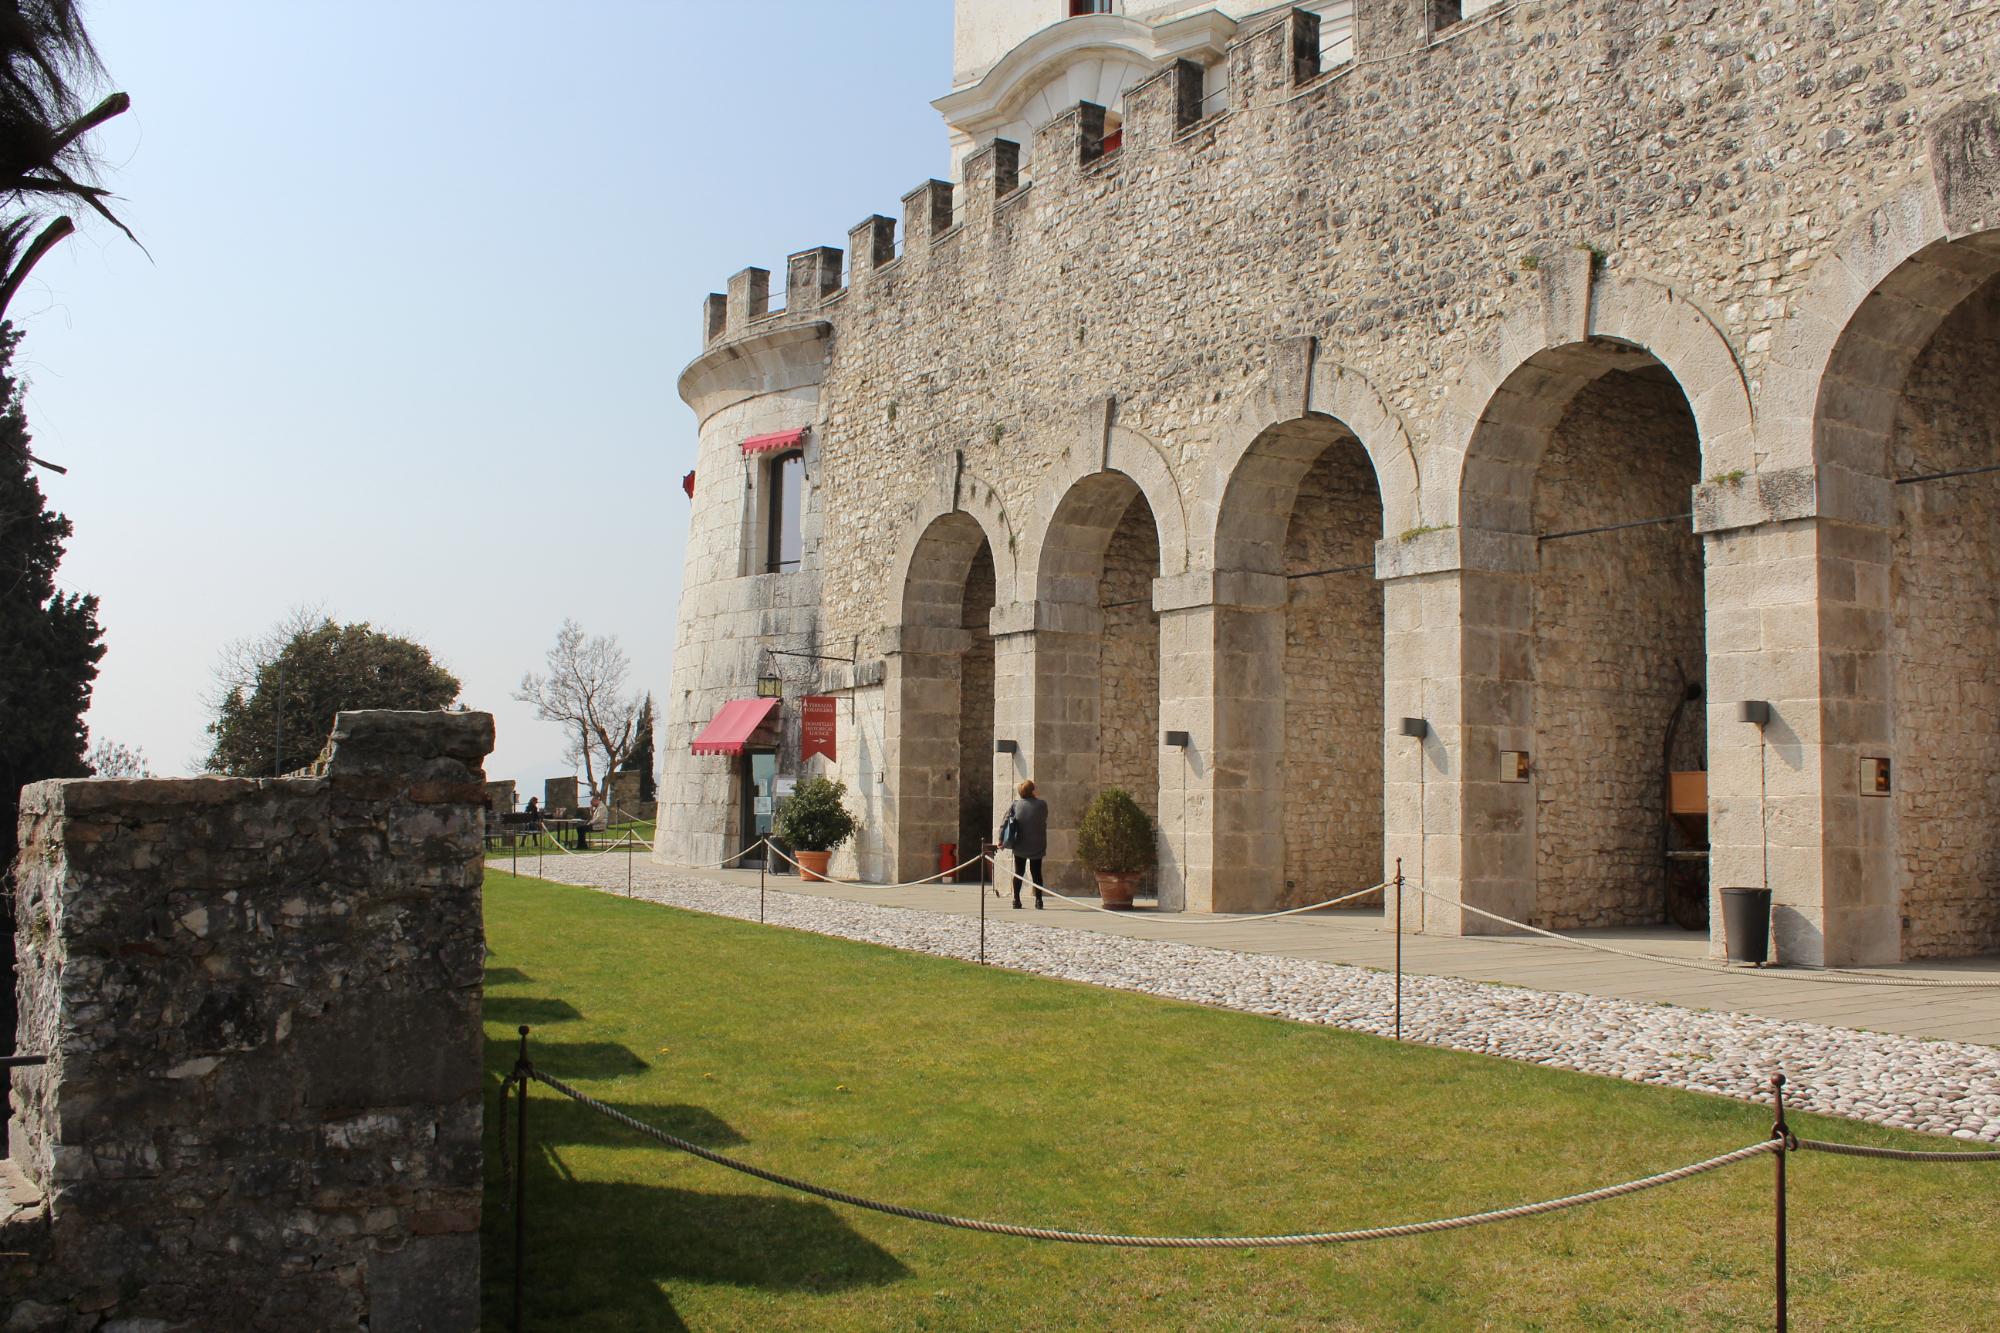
(1798,617)
(921,739)
(260,1002)
(1222,681)
(1458,654)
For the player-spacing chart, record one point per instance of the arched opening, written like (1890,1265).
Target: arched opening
(944,697)
(1304,504)
(1098,669)
(1590,453)
(1909,398)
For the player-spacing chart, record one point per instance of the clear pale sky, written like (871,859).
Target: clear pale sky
(422,277)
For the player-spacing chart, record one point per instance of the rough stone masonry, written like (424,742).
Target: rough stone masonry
(260,1002)
(1539,269)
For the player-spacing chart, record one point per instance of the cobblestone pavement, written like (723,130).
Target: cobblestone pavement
(1940,1087)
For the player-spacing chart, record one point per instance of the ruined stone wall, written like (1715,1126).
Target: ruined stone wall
(1128,753)
(260,1000)
(562,794)
(1618,615)
(1946,595)
(1333,682)
(976,824)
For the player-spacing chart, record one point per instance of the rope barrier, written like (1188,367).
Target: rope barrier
(1715,969)
(1894,1154)
(1186,919)
(1164,1242)
(857,884)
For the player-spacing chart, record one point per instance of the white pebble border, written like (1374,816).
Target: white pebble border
(1938,1087)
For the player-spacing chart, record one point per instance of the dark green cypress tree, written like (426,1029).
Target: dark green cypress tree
(50,645)
(640,760)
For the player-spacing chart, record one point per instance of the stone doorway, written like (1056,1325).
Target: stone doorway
(1908,399)
(1581,474)
(1097,669)
(1303,511)
(943,699)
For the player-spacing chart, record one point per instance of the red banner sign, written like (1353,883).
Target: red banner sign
(816,726)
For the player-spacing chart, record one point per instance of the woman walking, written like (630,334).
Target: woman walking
(1030,817)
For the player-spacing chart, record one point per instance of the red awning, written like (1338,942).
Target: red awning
(764,444)
(731,729)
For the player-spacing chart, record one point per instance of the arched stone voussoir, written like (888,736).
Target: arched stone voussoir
(1867,310)
(1100,450)
(1326,391)
(966,494)
(1519,378)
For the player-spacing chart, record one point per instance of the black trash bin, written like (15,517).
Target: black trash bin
(1746,924)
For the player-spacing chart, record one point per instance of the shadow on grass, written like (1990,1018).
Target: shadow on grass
(558,1120)
(566,1060)
(614,1246)
(612,1250)
(517,1009)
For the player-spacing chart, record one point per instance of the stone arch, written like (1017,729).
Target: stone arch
(1306,386)
(1489,428)
(1841,357)
(1109,451)
(1588,417)
(942,694)
(1300,515)
(1097,656)
(979,501)
(1887,372)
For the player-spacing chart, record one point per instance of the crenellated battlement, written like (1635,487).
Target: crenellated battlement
(1265,67)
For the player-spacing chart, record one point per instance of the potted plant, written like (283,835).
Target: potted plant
(1116,842)
(812,822)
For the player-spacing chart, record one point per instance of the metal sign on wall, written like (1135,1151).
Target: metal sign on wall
(816,726)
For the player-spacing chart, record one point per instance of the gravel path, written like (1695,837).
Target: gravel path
(1939,1087)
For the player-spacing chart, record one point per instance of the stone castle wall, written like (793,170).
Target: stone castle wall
(260,1003)
(1415,246)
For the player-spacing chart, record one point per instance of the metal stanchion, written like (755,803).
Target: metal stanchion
(1783,1134)
(983,863)
(762,862)
(521,1071)
(628,863)
(1399,948)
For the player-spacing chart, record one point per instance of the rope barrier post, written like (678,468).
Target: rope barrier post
(762,861)
(1399,948)
(514,840)
(1781,1132)
(522,1070)
(628,863)
(982,902)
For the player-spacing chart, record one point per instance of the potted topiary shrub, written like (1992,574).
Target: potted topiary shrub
(1116,842)
(812,822)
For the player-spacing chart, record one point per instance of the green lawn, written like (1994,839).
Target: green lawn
(979,1091)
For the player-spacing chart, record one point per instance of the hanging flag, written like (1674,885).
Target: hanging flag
(816,726)
(687,484)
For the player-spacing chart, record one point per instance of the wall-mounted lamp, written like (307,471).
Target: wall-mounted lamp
(1006,747)
(1178,740)
(770,687)
(1754,711)
(1416,726)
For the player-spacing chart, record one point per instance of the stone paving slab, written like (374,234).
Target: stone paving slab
(1939,1086)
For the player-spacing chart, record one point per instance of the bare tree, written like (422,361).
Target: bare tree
(584,693)
(110,759)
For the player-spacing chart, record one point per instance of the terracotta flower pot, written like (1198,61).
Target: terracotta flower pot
(1114,891)
(812,866)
